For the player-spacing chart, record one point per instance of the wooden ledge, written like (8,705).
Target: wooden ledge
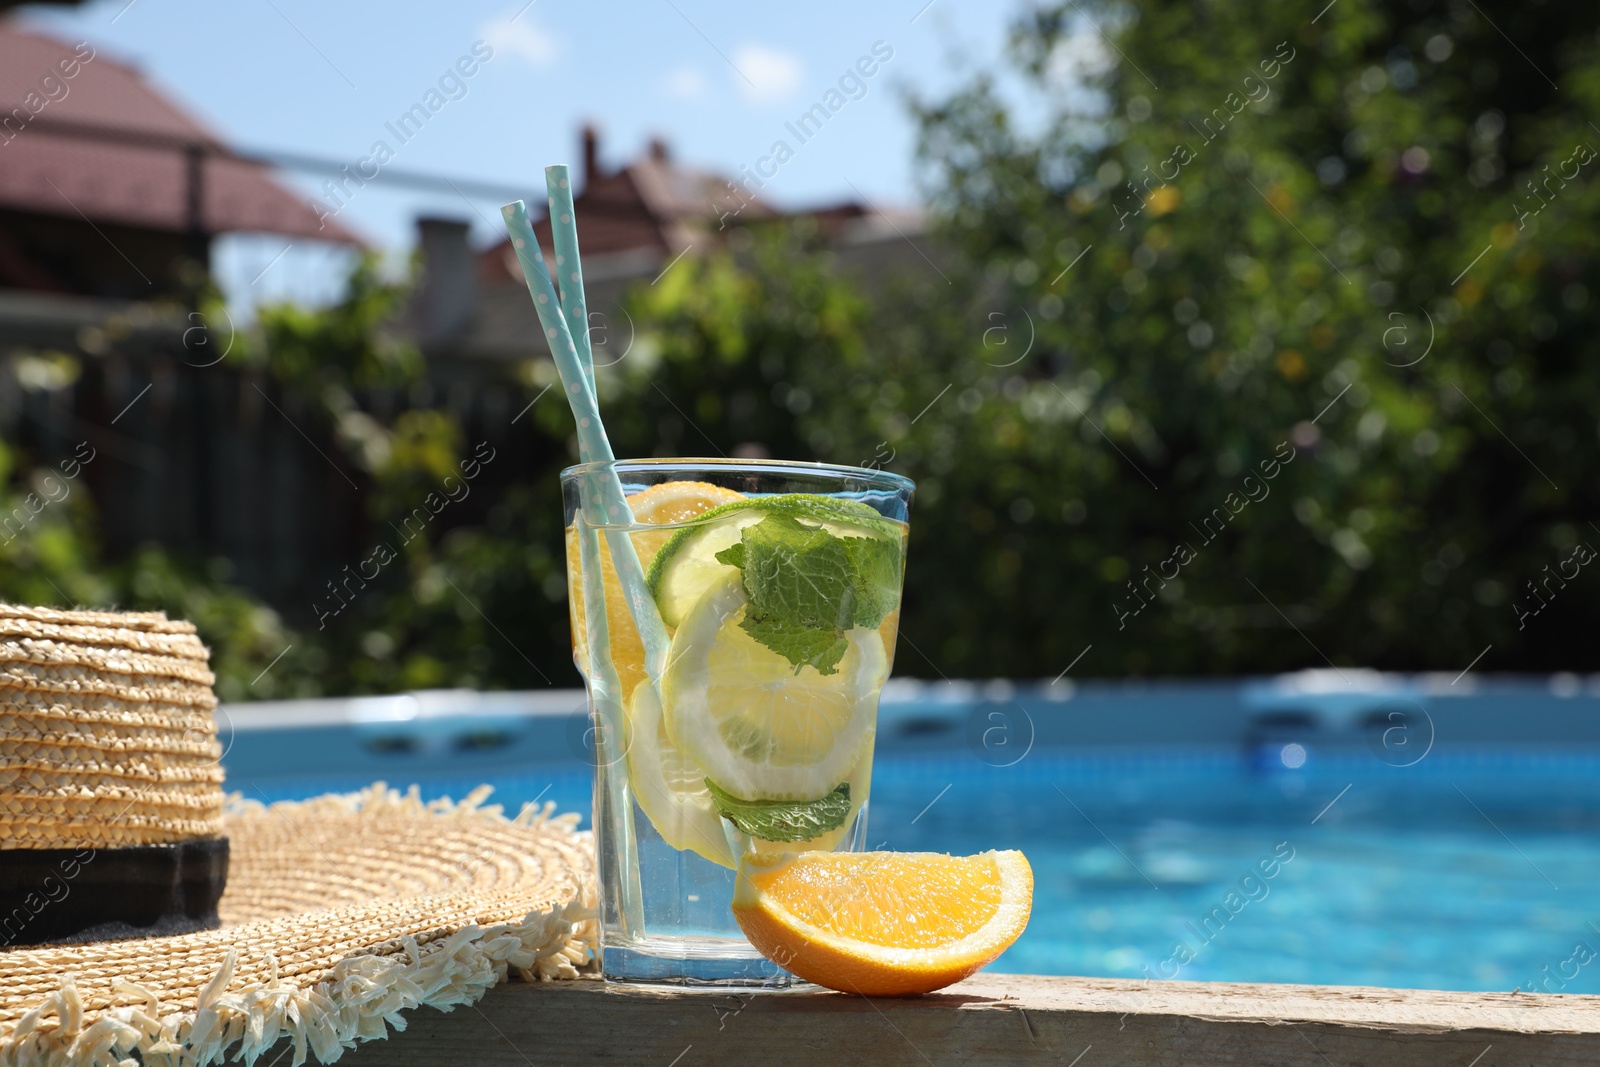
(1002,1019)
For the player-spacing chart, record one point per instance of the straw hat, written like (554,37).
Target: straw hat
(340,914)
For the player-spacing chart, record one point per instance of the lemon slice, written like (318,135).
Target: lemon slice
(669,787)
(761,729)
(663,505)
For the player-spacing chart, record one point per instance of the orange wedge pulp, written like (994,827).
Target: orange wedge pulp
(883,924)
(669,502)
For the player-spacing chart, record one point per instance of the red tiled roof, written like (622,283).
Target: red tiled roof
(116,182)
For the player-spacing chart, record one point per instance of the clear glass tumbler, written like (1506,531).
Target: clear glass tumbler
(746,724)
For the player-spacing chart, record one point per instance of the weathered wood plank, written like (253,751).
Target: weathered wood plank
(1003,1019)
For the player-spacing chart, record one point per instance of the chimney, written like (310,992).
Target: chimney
(591,155)
(447,293)
(659,152)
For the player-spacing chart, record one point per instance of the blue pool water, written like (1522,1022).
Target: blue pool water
(1464,871)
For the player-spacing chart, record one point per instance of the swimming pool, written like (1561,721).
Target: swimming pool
(1471,868)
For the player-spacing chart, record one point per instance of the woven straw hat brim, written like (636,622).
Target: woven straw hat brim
(340,914)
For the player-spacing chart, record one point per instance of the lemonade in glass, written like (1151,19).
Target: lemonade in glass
(779,587)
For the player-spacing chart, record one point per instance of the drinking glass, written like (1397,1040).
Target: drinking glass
(779,586)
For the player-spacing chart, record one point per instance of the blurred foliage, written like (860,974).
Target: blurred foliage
(330,356)
(354,344)
(1301,251)
(49,555)
(414,609)
(1309,246)
(1298,310)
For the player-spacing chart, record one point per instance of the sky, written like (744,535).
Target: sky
(716,79)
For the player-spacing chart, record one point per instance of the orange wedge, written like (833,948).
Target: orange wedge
(669,502)
(883,924)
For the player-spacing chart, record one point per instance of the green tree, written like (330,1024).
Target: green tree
(1276,213)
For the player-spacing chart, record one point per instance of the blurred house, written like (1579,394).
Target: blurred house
(110,192)
(110,197)
(635,221)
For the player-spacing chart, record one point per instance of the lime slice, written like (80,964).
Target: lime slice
(687,564)
(669,787)
(760,728)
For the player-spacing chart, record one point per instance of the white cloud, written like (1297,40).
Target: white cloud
(523,39)
(769,75)
(687,83)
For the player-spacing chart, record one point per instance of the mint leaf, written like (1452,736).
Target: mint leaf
(798,573)
(815,509)
(783,820)
(876,566)
(801,645)
(804,587)
(810,507)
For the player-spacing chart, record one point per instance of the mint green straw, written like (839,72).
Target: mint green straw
(569,269)
(603,492)
(613,743)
